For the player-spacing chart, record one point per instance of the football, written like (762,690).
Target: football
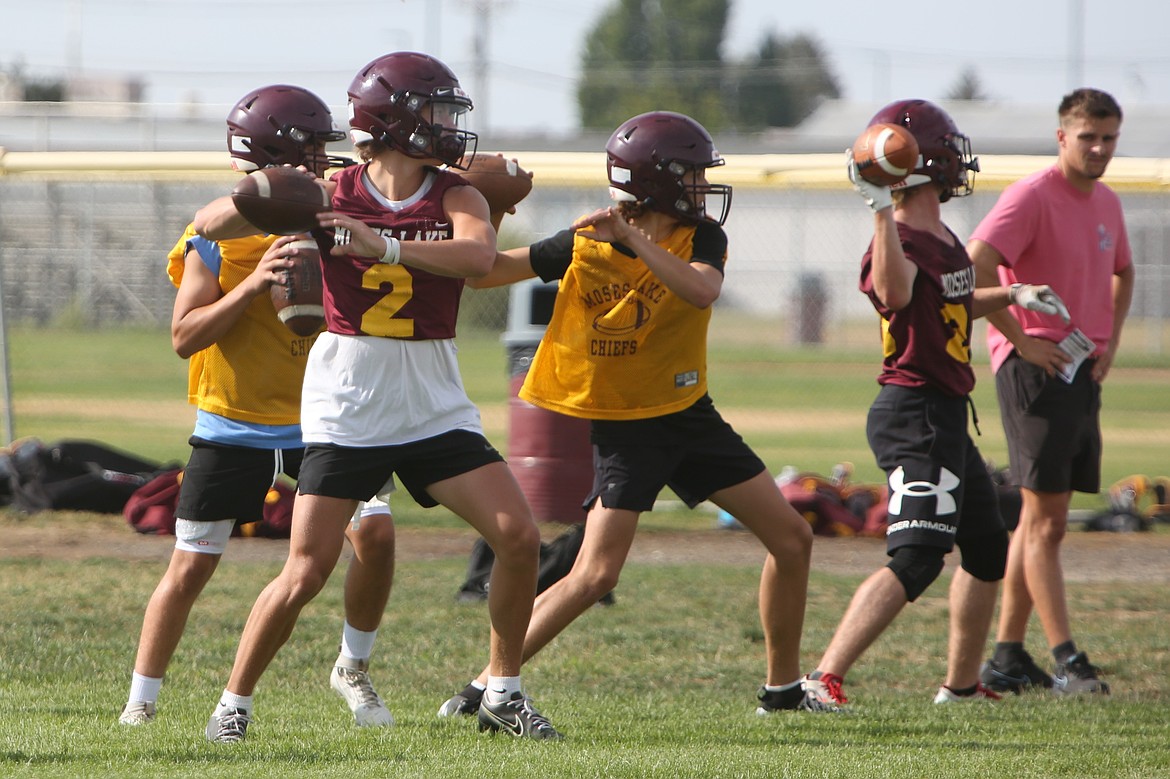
(885,154)
(297,298)
(502,182)
(280,201)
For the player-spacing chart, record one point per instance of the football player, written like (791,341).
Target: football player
(245,374)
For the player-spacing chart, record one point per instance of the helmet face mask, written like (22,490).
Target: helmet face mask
(281,125)
(945,156)
(660,159)
(412,103)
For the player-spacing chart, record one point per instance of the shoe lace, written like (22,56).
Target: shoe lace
(538,720)
(832,684)
(359,682)
(985,692)
(232,726)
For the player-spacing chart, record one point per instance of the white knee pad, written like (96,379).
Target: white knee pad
(203,537)
(379,505)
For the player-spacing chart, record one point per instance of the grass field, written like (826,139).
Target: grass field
(796,406)
(660,685)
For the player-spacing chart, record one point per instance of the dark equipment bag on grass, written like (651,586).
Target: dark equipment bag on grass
(73,475)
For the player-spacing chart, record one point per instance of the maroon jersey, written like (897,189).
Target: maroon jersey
(363,296)
(928,343)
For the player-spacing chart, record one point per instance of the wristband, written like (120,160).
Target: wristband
(393,249)
(1014,290)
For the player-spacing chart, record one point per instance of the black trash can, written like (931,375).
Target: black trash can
(810,309)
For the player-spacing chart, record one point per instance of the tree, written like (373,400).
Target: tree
(645,55)
(967,87)
(783,83)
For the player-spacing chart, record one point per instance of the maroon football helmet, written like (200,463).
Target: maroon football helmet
(944,152)
(282,125)
(649,158)
(413,103)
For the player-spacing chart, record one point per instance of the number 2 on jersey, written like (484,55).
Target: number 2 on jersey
(379,318)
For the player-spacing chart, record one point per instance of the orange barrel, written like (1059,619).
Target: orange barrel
(549,453)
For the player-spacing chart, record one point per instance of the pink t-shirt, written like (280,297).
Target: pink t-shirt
(1051,233)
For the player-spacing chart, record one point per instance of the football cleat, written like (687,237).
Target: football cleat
(138,713)
(1078,675)
(1017,674)
(351,680)
(517,717)
(465,704)
(227,726)
(825,694)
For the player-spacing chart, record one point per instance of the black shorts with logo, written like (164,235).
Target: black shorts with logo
(1053,428)
(230,482)
(693,451)
(940,490)
(360,473)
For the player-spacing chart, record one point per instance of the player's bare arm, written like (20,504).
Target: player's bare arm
(1038,351)
(219,221)
(893,273)
(203,313)
(697,283)
(510,266)
(1122,298)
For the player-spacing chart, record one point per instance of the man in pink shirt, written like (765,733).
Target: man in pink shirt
(1062,227)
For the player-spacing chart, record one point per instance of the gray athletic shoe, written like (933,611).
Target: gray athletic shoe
(463,704)
(516,716)
(136,713)
(1078,675)
(351,680)
(227,726)
(1017,674)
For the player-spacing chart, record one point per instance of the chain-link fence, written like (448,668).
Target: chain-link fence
(86,247)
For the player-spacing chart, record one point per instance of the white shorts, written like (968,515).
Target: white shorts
(364,391)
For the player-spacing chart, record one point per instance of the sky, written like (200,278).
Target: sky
(210,52)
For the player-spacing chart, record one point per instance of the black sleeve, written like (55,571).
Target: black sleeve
(710,245)
(550,257)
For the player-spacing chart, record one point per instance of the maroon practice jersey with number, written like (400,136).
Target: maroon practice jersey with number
(928,343)
(363,296)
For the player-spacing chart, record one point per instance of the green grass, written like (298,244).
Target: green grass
(796,406)
(659,685)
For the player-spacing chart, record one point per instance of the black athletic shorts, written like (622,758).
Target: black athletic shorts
(694,452)
(359,473)
(1053,428)
(230,482)
(934,471)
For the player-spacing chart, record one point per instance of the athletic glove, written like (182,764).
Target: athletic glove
(1039,297)
(875,196)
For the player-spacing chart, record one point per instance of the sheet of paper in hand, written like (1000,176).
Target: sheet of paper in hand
(1078,346)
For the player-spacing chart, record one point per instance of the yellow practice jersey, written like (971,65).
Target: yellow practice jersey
(620,345)
(254,372)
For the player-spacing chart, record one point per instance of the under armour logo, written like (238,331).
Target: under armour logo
(900,488)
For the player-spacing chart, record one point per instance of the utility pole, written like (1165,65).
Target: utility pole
(481,60)
(1076,44)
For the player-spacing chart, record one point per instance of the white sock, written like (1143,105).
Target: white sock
(501,688)
(144,688)
(229,700)
(783,687)
(357,644)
